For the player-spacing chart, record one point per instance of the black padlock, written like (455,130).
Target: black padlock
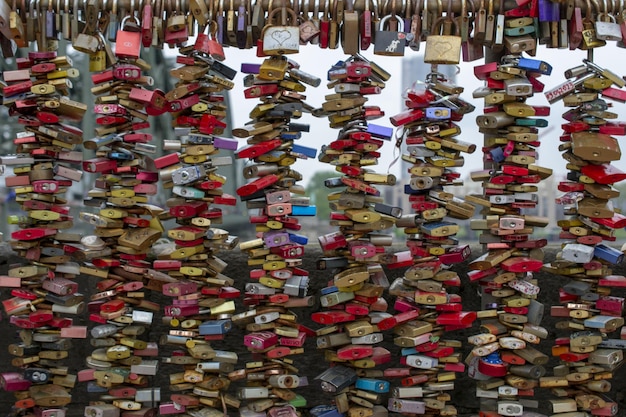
(388,42)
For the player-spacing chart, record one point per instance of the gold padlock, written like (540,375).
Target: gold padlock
(590,38)
(444,48)
(17,28)
(273,68)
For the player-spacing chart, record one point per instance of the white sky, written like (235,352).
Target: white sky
(317,61)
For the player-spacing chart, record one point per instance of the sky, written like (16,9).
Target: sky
(317,61)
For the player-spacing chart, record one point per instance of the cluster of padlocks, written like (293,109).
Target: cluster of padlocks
(125,226)
(426,310)
(203,298)
(278,283)
(200,310)
(352,305)
(590,321)
(504,361)
(44,298)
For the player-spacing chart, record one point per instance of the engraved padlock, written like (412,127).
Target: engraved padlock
(590,38)
(443,48)
(97,61)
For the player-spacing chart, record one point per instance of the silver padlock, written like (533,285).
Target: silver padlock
(607,28)
(510,408)
(518,86)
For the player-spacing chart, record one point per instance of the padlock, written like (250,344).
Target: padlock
(366,27)
(273,68)
(208,43)
(308,30)
(176,37)
(471,48)
(444,48)
(88,44)
(281,39)
(349,27)
(128,42)
(175,22)
(608,30)
(387,42)
(16,27)
(97,61)
(590,38)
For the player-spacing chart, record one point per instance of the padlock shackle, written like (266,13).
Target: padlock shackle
(381,24)
(437,24)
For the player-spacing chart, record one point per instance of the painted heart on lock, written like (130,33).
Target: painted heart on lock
(307,32)
(281,36)
(443,48)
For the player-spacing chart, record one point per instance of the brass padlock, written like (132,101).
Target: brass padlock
(176,22)
(389,42)
(596,147)
(87,44)
(17,28)
(444,48)
(230,28)
(273,68)
(590,38)
(349,32)
(97,61)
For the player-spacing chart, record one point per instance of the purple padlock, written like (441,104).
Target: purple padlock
(381,132)
(224,143)
(250,68)
(548,11)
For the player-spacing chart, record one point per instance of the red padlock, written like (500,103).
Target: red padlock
(208,44)
(128,44)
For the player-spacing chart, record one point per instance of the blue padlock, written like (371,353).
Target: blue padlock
(304,150)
